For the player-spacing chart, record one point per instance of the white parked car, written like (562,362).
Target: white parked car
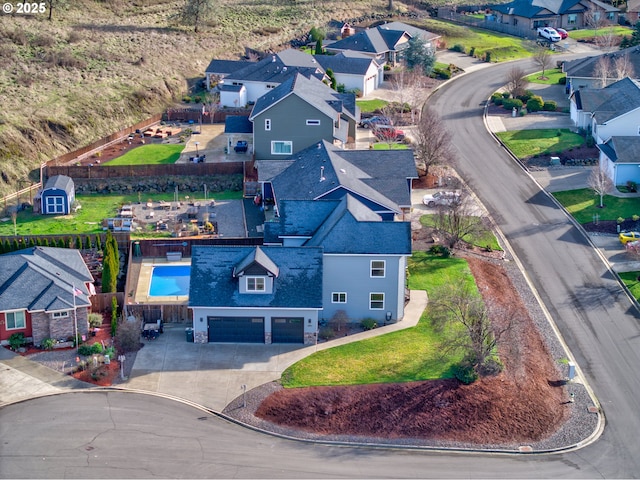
(550,34)
(441,199)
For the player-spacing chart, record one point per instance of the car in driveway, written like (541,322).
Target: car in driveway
(373,121)
(562,32)
(439,199)
(388,133)
(549,33)
(626,237)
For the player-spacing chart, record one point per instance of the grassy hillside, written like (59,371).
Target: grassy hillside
(99,66)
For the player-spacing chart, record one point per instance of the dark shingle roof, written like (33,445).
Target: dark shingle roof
(273,70)
(622,149)
(225,67)
(370,40)
(610,102)
(237,124)
(60,182)
(299,283)
(299,218)
(379,176)
(410,29)
(540,8)
(256,257)
(585,67)
(42,278)
(353,63)
(312,91)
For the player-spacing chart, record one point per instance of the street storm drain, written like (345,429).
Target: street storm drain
(202,418)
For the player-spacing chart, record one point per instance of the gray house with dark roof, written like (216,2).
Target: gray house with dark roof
(365,258)
(582,72)
(58,195)
(379,179)
(219,69)
(268,294)
(300,112)
(567,14)
(608,112)
(620,158)
(382,45)
(354,70)
(37,294)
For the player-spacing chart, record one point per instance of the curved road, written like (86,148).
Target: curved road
(115,434)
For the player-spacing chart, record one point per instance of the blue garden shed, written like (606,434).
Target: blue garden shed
(58,195)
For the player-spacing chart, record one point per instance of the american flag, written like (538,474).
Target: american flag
(76,291)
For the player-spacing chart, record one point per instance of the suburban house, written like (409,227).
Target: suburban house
(258,78)
(383,43)
(379,179)
(357,72)
(607,112)
(58,195)
(567,14)
(583,72)
(219,69)
(620,158)
(365,258)
(44,293)
(254,294)
(320,114)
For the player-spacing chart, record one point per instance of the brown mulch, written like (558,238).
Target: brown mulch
(524,403)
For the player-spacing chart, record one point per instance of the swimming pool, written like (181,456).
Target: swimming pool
(170,280)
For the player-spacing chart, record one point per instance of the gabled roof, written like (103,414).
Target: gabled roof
(411,30)
(42,278)
(344,226)
(256,258)
(376,41)
(548,8)
(274,69)
(379,176)
(299,284)
(622,149)
(225,67)
(313,92)
(610,102)
(585,67)
(237,124)
(347,62)
(60,182)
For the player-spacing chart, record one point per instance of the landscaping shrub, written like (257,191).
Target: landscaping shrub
(632,186)
(497,98)
(95,320)
(535,104)
(562,80)
(506,95)
(326,333)
(464,372)
(526,96)
(635,218)
(441,73)
(511,103)
(48,343)
(440,250)
(487,57)
(16,340)
(458,48)
(491,366)
(97,348)
(369,324)
(85,350)
(549,106)
(186,99)
(114,315)
(127,337)
(472,51)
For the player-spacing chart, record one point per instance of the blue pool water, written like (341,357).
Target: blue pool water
(168,280)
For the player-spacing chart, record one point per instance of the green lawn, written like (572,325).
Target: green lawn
(630,279)
(155,154)
(616,30)
(390,146)
(583,205)
(502,47)
(526,143)
(481,239)
(370,106)
(89,218)
(551,76)
(402,356)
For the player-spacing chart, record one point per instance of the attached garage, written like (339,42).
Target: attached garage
(236,329)
(287,329)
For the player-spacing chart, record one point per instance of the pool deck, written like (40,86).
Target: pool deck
(141,292)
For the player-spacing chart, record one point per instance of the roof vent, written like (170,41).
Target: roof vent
(273,58)
(322,179)
(342,170)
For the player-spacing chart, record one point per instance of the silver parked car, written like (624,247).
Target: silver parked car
(441,199)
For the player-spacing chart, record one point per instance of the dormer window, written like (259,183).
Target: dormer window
(255,284)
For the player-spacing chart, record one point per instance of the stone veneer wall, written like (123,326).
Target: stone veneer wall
(310,338)
(43,326)
(200,337)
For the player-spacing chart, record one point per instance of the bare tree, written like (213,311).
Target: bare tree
(542,59)
(460,304)
(411,87)
(623,67)
(602,70)
(595,18)
(607,39)
(516,81)
(458,219)
(600,182)
(195,12)
(432,143)
(53,4)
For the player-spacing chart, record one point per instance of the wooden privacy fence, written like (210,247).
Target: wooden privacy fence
(121,171)
(101,302)
(159,247)
(488,23)
(166,313)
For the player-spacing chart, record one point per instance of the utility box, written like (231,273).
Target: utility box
(554,161)
(572,370)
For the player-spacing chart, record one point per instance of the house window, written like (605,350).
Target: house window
(610,16)
(313,122)
(338,297)
(267,124)
(281,148)
(54,205)
(377,268)
(15,320)
(376,301)
(64,314)
(572,19)
(255,284)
